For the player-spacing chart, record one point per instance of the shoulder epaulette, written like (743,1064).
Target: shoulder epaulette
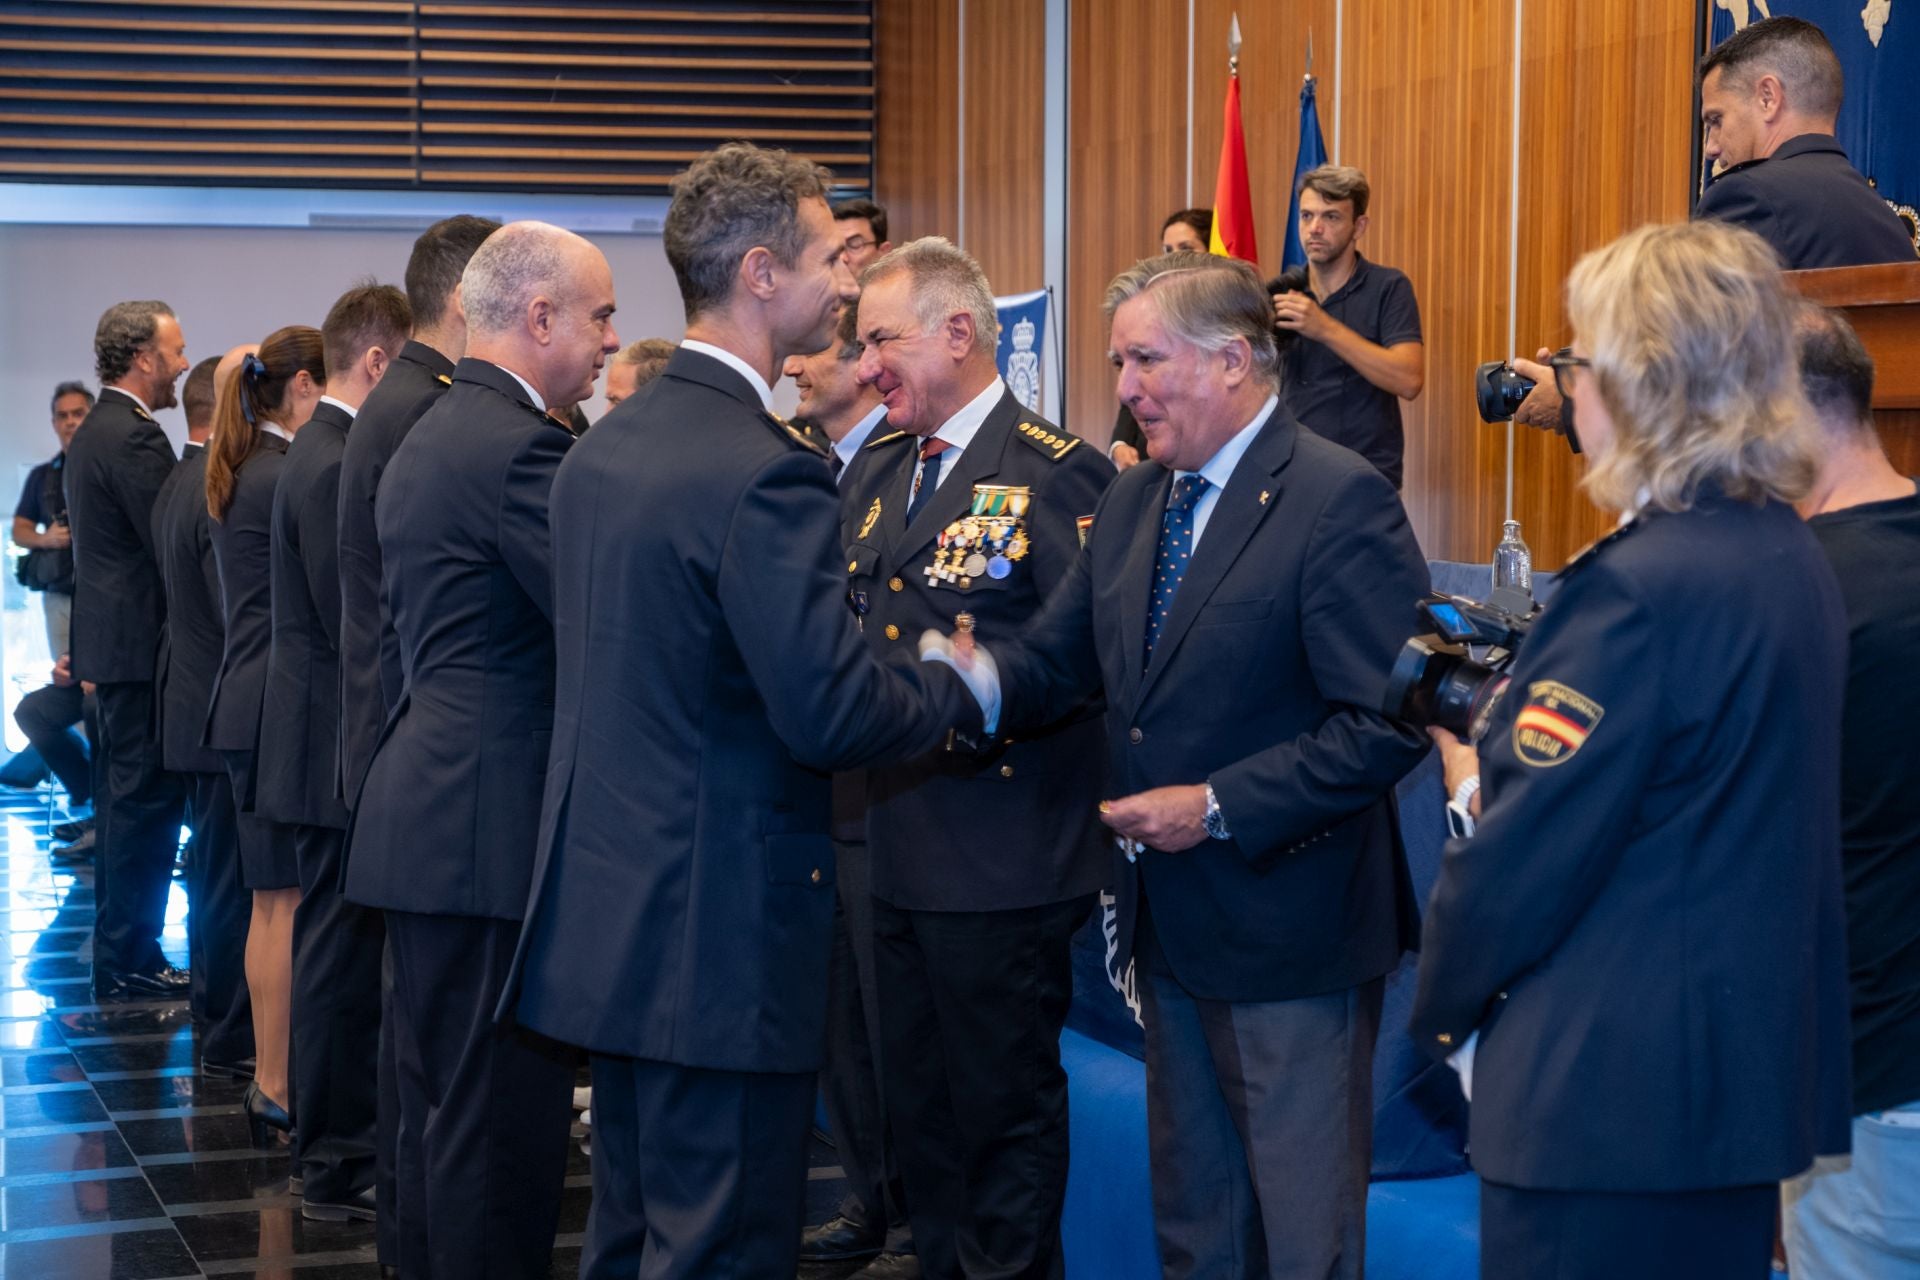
(889,438)
(1587,554)
(1051,441)
(801,438)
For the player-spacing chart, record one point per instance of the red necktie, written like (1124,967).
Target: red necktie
(927,476)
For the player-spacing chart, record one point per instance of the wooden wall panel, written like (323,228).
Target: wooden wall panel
(1273,60)
(1427,113)
(1590,171)
(1004,165)
(916,157)
(1126,165)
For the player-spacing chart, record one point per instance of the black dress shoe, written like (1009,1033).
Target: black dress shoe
(357,1207)
(840,1239)
(69,831)
(890,1266)
(266,1118)
(240,1069)
(165,983)
(79,851)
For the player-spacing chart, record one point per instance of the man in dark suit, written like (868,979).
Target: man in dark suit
(442,838)
(1241,616)
(1769,97)
(369,652)
(118,460)
(195,639)
(683,897)
(336,944)
(983,865)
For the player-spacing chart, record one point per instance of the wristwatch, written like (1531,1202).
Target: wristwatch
(1215,821)
(1460,821)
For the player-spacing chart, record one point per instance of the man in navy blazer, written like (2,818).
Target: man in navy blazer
(1241,616)
(442,836)
(710,678)
(116,465)
(1769,98)
(337,945)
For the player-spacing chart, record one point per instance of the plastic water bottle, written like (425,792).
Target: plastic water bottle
(1512,562)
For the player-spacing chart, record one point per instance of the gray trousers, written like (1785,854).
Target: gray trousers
(1259,1126)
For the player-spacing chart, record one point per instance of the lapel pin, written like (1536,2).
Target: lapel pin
(1264,495)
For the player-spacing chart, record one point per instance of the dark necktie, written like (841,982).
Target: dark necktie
(1176,551)
(836,464)
(928,477)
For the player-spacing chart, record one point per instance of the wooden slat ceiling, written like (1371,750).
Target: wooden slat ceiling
(574,96)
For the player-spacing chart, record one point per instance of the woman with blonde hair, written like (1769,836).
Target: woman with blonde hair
(1636,958)
(274,394)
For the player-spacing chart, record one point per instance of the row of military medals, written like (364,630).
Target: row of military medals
(987,541)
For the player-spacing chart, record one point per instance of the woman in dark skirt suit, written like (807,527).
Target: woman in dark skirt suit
(276,393)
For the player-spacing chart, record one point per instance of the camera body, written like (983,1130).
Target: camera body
(1499,389)
(1438,681)
(1292,280)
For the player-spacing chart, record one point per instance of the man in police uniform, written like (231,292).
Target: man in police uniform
(443,832)
(683,898)
(369,651)
(983,867)
(1769,97)
(116,465)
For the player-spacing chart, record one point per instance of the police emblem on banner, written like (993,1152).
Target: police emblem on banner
(1554,724)
(1019,353)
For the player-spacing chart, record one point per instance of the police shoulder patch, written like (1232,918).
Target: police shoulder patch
(1554,724)
(1051,441)
(889,438)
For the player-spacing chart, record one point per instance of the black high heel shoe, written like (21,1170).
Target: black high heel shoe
(265,1117)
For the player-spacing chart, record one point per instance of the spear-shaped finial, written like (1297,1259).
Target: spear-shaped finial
(1233,46)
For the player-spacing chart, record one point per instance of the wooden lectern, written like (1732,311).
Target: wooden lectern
(1884,305)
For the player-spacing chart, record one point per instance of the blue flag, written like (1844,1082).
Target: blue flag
(1313,154)
(1022,353)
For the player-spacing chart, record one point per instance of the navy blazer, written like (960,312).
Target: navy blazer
(445,822)
(1811,205)
(369,650)
(116,465)
(1647,926)
(1267,681)
(299,766)
(709,674)
(1024,817)
(196,631)
(242,548)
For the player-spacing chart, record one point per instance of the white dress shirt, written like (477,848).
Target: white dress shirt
(1219,468)
(959,431)
(849,444)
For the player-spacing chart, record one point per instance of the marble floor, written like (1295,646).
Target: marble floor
(118,1159)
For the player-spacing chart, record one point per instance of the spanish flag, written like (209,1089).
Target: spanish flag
(1232,194)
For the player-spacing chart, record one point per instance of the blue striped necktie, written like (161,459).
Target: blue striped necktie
(1176,551)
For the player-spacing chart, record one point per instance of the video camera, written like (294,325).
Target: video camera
(1292,280)
(1499,390)
(1438,681)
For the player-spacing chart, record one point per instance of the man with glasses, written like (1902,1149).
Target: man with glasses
(864,226)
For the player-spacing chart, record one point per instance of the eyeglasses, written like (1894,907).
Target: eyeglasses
(1564,362)
(855,243)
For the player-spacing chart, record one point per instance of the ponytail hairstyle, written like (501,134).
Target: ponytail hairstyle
(258,390)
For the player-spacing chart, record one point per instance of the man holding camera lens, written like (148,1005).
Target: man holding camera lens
(1362,352)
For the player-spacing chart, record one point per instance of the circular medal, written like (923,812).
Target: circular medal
(976,565)
(999,567)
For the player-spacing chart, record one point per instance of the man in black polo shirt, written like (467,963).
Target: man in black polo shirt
(40,519)
(1864,1220)
(1360,353)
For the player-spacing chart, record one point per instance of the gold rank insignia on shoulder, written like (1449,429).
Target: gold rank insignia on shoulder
(1055,444)
(872,518)
(889,438)
(801,438)
(986,542)
(1555,723)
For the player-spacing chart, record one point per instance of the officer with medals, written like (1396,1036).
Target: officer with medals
(1638,958)
(983,864)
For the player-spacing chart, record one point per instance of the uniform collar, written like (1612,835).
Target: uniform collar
(138,402)
(735,363)
(342,406)
(959,430)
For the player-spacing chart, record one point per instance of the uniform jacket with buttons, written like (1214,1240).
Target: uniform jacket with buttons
(1646,929)
(709,680)
(1811,205)
(1016,826)
(1267,680)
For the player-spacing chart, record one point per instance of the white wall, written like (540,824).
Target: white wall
(228,285)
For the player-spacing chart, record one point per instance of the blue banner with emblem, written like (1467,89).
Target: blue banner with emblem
(1878,44)
(1031,370)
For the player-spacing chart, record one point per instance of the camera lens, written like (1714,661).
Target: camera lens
(1499,391)
(1431,687)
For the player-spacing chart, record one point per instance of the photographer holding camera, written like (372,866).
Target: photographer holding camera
(1638,958)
